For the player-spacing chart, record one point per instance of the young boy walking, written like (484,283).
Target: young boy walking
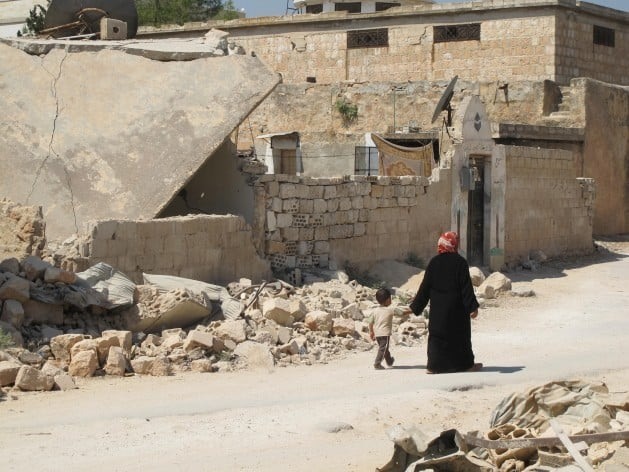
(380,326)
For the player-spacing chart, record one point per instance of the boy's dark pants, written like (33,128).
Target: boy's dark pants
(383,350)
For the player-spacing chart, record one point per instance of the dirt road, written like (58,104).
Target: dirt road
(331,417)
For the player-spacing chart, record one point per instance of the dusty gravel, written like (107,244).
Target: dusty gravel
(332,417)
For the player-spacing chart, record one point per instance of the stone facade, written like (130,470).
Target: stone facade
(532,40)
(214,248)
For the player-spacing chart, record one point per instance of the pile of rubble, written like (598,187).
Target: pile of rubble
(64,325)
(564,425)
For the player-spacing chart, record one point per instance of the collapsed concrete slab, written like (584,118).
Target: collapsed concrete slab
(99,133)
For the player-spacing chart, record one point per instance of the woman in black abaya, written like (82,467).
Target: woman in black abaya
(448,287)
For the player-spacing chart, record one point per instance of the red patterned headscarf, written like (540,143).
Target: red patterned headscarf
(448,242)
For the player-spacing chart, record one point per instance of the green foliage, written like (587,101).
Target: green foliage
(35,20)
(5,340)
(163,12)
(414,260)
(347,109)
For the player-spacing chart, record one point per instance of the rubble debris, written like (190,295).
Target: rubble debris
(527,433)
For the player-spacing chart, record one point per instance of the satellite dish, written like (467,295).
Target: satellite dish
(66,18)
(444,102)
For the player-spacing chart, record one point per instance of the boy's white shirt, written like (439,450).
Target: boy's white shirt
(382,319)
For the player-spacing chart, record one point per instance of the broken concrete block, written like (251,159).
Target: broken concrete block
(291,348)
(233,330)
(284,334)
(62,344)
(11,265)
(319,320)
(202,339)
(255,354)
(201,365)
(83,363)
(13,313)
(34,268)
(42,313)
(15,288)
(161,367)
(8,372)
(142,365)
(103,345)
(112,29)
(30,358)
(343,327)
(477,276)
(125,338)
(353,311)
(493,285)
(84,345)
(64,381)
(31,379)
(53,275)
(297,309)
(116,363)
(278,310)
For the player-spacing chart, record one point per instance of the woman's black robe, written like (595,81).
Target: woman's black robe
(448,286)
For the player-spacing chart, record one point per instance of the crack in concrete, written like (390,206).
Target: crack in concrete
(51,149)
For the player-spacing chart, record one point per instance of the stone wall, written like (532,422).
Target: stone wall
(535,40)
(546,207)
(22,230)
(326,222)
(214,249)
(606,151)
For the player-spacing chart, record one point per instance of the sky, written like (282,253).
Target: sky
(278,7)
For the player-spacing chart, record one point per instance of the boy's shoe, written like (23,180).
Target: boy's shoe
(378,367)
(390,364)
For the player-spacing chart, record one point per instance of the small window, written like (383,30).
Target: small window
(368,38)
(604,36)
(352,7)
(382,6)
(288,161)
(366,160)
(468,32)
(314,8)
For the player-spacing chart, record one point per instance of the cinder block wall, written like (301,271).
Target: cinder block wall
(327,222)
(546,207)
(212,248)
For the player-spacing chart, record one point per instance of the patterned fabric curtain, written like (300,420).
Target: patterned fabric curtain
(398,160)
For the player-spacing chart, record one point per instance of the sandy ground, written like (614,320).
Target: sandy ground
(299,418)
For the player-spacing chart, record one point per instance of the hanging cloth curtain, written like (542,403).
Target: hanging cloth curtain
(398,160)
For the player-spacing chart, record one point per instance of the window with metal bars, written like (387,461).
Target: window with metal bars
(366,160)
(352,7)
(604,36)
(382,6)
(466,32)
(374,38)
(314,8)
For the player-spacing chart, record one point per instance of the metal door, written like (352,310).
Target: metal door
(476,213)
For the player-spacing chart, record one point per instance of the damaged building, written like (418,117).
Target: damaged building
(515,155)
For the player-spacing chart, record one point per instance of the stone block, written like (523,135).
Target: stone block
(333,205)
(204,340)
(62,345)
(83,363)
(255,354)
(322,233)
(8,372)
(234,330)
(125,338)
(63,381)
(103,346)
(284,220)
(278,310)
(161,367)
(271,221)
(15,288)
(86,345)
(320,205)
(321,247)
(201,365)
(319,321)
(288,190)
(53,275)
(11,265)
(116,363)
(142,365)
(30,379)
(329,192)
(343,327)
(12,313)
(112,29)
(34,268)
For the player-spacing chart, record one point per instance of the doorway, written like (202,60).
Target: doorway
(476,213)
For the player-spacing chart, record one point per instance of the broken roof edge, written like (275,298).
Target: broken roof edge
(163,50)
(255,105)
(538,132)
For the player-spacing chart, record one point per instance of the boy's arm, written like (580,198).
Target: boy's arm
(371,333)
